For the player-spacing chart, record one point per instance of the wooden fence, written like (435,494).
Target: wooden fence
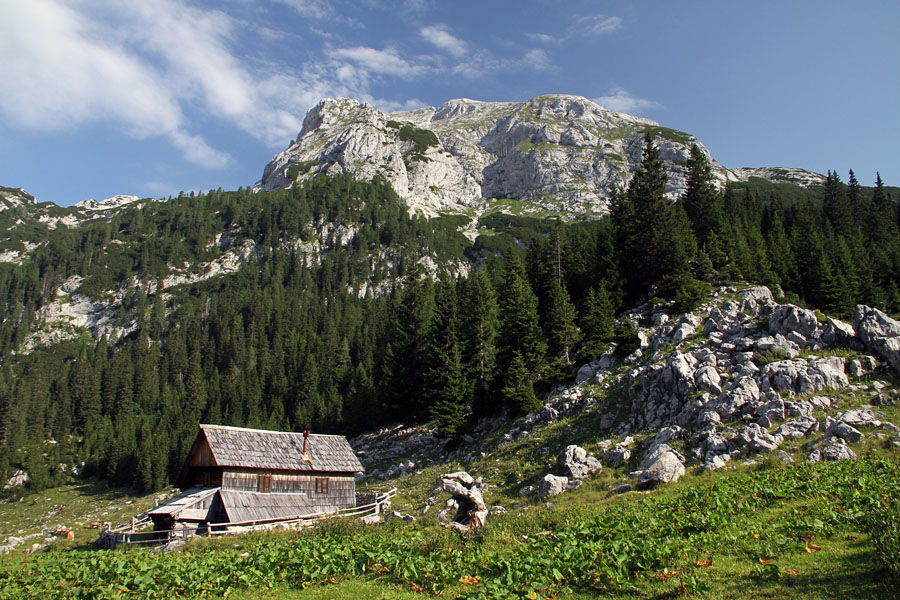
(128,534)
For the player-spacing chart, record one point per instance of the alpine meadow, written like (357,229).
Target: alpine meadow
(538,349)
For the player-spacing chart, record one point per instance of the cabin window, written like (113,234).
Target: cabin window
(322,485)
(263,483)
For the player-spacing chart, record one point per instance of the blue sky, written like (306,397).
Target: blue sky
(105,97)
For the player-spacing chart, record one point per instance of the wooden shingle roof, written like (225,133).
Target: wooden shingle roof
(252,506)
(260,449)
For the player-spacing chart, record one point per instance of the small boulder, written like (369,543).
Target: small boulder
(552,485)
(838,452)
(617,455)
(584,373)
(664,465)
(576,463)
(842,430)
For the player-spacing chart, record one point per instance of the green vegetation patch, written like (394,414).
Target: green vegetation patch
(422,139)
(300,168)
(671,134)
(807,531)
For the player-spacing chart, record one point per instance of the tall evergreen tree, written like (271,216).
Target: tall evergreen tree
(521,346)
(649,243)
(701,200)
(562,332)
(836,206)
(404,356)
(479,324)
(446,388)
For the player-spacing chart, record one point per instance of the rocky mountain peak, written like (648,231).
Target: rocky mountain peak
(557,153)
(13,197)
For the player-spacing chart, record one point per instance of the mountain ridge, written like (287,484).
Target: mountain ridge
(554,153)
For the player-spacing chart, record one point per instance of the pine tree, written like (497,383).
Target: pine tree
(700,200)
(562,333)
(518,391)
(836,206)
(479,324)
(521,347)
(404,380)
(649,242)
(446,388)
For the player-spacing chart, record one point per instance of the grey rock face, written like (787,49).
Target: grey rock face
(800,376)
(835,452)
(663,465)
(839,333)
(842,430)
(552,485)
(797,428)
(576,463)
(879,333)
(787,318)
(554,152)
(757,439)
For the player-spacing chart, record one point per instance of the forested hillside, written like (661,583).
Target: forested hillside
(346,312)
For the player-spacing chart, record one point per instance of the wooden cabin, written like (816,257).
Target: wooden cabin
(234,475)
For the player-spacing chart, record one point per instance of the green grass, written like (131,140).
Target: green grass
(798,532)
(78,504)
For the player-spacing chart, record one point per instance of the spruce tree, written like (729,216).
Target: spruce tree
(650,244)
(446,388)
(405,369)
(700,200)
(479,323)
(517,391)
(836,206)
(521,347)
(597,322)
(562,333)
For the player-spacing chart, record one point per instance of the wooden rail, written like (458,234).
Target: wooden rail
(126,534)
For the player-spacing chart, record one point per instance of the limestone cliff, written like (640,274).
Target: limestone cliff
(560,154)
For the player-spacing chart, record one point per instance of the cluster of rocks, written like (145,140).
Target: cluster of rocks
(393,443)
(742,390)
(18,479)
(741,381)
(576,465)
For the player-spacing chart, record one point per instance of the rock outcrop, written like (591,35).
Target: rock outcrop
(879,333)
(560,153)
(472,512)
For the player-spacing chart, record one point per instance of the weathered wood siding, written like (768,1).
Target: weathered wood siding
(201,455)
(341,488)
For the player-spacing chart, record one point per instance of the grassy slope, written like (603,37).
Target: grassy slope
(74,506)
(751,522)
(646,544)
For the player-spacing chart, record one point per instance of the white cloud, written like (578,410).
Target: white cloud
(394,105)
(144,67)
(599,24)
(439,36)
(482,63)
(386,62)
(316,9)
(620,100)
(543,38)
(537,59)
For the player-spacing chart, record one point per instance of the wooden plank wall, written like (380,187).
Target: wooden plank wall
(341,489)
